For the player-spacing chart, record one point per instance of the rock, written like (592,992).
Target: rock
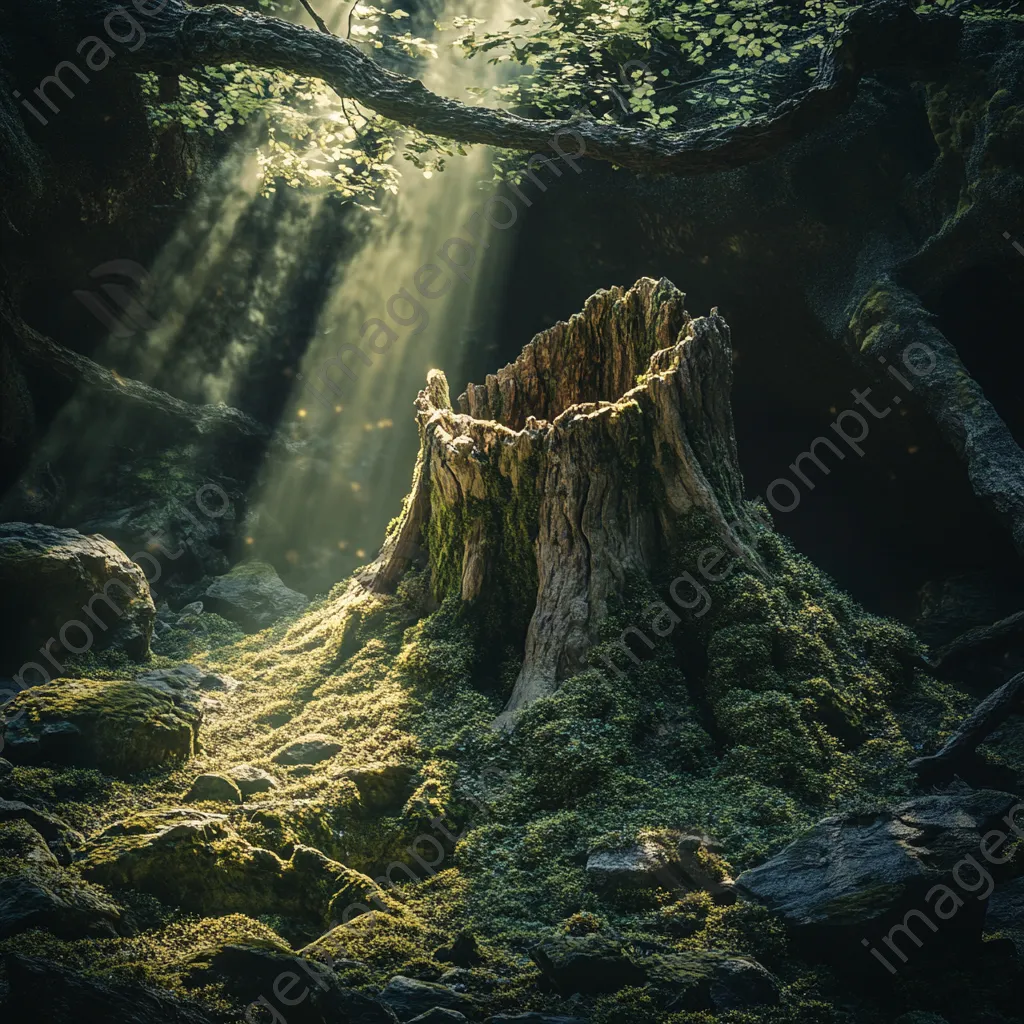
(644,865)
(1006,913)
(44,990)
(410,998)
(195,608)
(187,677)
(700,863)
(308,750)
(465,979)
(251,780)
(82,590)
(857,875)
(21,843)
(738,984)
(60,837)
(381,786)
(199,863)
(252,595)
(439,1015)
(463,951)
(215,788)
(586,963)
(695,980)
(304,990)
(689,862)
(116,726)
(57,903)
(5,767)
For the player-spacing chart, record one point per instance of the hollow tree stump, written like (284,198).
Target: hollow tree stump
(566,471)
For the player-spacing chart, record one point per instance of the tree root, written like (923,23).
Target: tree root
(960,747)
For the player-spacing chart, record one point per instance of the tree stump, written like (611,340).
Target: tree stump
(572,468)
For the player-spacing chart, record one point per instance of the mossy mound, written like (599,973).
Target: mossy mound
(118,726)
(201,864)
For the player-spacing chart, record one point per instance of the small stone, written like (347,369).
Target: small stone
(381,785)
(251,780)
(738,984)
(195,608)
(463,952)
(214,788)
(307,750)
(253,595)
(439,1015)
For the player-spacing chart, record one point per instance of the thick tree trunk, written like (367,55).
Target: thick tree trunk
(562,477)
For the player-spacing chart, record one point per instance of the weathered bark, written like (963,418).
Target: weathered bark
(884,34)
(562,508)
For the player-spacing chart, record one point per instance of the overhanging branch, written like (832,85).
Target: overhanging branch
(884,34)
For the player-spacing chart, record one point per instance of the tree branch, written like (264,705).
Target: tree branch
(37,350)
(886,33)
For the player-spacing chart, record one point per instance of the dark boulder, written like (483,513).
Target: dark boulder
(57,902)
(463,951)
(60,837)
(81,590)
(859,875)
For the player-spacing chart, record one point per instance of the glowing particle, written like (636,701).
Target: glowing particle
(301,414)
(342,544)
(291,557)
(367,426)
(832,409)
(384,424)
(338,408)
(360,553)
(913,450)
(249,540)
(356,486)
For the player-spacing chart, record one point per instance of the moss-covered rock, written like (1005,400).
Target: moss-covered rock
(201,864)
(252,595)
(118,726)
(215,788)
